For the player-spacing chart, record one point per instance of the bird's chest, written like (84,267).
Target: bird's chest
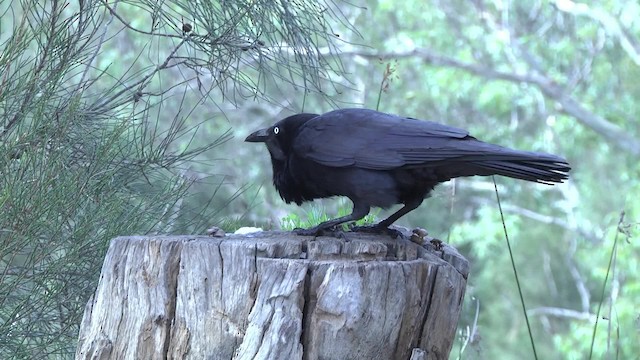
(312,180)
(297,181)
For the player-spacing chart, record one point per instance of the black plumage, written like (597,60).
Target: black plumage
(379,159)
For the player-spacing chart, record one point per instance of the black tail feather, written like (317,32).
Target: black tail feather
(541,168)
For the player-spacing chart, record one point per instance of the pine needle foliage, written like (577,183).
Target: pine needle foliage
(94,137)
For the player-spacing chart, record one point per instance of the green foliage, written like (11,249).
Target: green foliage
(317,214)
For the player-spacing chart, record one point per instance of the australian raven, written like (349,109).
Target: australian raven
(378,159)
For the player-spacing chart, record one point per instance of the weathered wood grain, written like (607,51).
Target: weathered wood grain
(273,295)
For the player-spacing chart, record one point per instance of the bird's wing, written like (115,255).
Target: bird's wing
(374,140)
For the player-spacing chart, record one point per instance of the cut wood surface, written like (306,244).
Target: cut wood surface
(274,295)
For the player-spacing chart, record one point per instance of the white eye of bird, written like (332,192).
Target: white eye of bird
(276,130)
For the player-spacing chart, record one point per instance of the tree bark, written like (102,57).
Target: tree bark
(274,295)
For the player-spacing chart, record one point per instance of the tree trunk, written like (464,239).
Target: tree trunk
(274,295)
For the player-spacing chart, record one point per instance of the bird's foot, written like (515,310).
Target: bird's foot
(316,231)
(375,229)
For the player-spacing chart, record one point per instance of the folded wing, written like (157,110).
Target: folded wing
(378,141)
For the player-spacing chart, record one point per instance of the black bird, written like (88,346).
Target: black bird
(378,159)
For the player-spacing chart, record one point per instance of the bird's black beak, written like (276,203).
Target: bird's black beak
(259,136)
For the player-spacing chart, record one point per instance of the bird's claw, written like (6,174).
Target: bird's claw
(375,229)
(315,232)
(307,232)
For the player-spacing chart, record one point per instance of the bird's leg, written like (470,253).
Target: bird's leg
(408,207)
(383,226)
(359,211)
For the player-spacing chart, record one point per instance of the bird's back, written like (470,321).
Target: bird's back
(367,139)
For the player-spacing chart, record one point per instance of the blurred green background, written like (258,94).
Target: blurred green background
(128,117)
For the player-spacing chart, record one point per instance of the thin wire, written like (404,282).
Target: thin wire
(606,278)
(515,272)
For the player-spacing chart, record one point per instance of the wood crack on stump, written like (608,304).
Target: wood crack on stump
(274,295)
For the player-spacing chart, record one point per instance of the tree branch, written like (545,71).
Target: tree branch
(610,23)
(551,89)
(140,84)
(546,219)
(561,312)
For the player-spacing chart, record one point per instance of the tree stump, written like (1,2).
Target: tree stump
(274,295)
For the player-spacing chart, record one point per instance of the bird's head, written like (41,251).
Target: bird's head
(279,137)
